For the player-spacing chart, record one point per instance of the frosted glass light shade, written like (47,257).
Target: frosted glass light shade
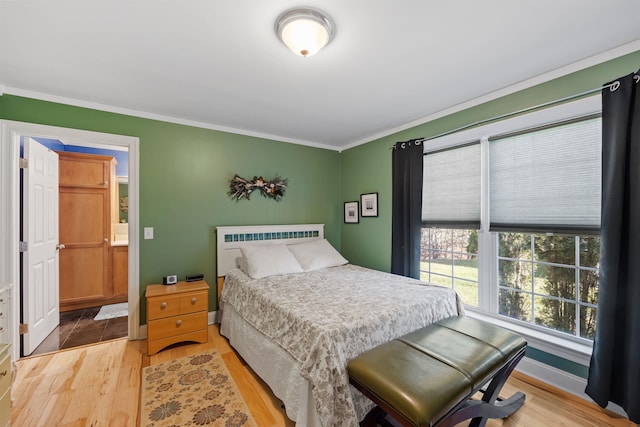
(304,31)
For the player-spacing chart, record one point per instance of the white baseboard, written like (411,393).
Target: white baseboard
(560,379)
(213,317)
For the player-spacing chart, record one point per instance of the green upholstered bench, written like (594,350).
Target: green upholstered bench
(427,377)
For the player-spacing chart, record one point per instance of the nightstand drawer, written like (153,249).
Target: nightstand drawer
(196,301)
(5,408)
(177,325)
(167,306)
(5,373)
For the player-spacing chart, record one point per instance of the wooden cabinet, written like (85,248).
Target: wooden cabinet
(5,385)
(86,218)
(176,313)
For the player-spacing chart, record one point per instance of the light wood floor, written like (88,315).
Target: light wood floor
(99,385)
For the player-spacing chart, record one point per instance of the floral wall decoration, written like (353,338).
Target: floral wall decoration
(240,188)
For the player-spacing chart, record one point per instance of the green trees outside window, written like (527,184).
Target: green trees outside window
(549,280)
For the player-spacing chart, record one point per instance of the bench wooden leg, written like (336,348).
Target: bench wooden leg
(376,418)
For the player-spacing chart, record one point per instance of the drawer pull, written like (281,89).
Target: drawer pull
(163,306)
(194,300)
(2,374)
(178,323)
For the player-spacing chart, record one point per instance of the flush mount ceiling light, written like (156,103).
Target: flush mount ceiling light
(305,31)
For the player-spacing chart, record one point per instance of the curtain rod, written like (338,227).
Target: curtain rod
(613,86)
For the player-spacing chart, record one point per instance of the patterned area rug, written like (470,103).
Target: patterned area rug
(192,391)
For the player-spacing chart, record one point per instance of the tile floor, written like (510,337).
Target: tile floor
(78,328)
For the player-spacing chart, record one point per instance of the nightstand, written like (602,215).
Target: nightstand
(176,313)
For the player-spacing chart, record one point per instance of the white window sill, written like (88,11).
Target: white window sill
(548,342)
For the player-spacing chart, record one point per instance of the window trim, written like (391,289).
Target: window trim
(563,112)
(547,341)
(569,347)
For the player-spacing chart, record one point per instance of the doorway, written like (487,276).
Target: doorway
(10,215)
(89,239)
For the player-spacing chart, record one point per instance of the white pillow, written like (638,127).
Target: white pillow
(317,254)
(269,260)
(242,264)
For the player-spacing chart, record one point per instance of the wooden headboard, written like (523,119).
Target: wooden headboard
(231,239)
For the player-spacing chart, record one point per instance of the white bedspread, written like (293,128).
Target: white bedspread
(327,317)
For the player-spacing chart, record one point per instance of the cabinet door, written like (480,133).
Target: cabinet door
(120,270)
(84,170)
(84,232)
(82,275)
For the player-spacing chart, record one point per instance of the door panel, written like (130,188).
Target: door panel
(40,304)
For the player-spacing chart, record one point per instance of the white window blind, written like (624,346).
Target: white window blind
(451,187)
(547,179)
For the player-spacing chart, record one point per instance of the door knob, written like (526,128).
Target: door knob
(59,246)
(105,240)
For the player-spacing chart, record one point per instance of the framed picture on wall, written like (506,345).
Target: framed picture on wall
(369,204)
(351,212)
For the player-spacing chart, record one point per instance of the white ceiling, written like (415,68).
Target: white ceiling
(218,63)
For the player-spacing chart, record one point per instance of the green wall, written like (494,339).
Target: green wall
(184,178)
(367,168)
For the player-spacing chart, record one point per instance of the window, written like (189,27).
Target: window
(549,280)
(529,249)
(449,257)
(451,198)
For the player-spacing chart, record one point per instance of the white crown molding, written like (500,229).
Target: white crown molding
(153,116)
(526,84)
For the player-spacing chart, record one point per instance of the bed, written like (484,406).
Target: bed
(297,312)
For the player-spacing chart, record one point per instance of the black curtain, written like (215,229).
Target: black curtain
(406,208)
(614,371)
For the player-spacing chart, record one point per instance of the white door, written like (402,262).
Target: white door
(40,306)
